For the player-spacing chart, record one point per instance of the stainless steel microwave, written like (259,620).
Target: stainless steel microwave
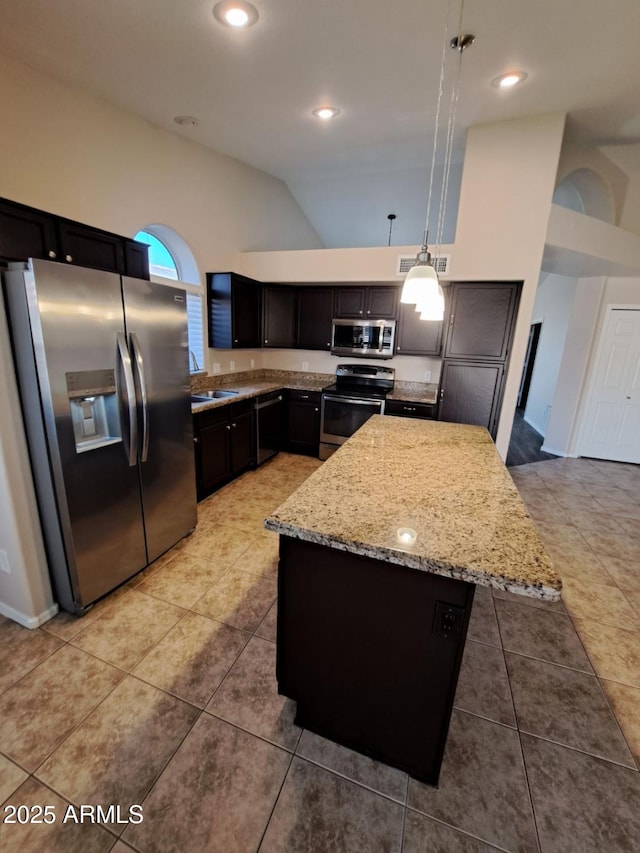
(364,338)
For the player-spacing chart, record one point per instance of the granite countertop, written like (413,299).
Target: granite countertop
(446,482)
(426,394)
(248,386)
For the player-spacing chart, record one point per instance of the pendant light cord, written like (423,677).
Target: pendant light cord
(437,124)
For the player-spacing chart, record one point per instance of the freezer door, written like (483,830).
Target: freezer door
(76,317)
(156,320)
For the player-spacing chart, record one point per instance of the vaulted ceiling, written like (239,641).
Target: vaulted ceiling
(253,91)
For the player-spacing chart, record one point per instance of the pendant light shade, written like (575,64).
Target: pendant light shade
(417,278)
(431,305)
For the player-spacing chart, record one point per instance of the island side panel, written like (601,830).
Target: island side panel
(371,652)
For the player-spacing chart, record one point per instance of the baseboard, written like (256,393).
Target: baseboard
(28,621)
(546,449)
(533,425)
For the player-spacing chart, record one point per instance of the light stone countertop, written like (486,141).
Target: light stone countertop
(248,387)
(445,481)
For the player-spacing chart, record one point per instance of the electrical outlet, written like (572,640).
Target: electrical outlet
(216,368)
(232,365)
(253,362)
(4,562)
(447,620)
(305,365)
(427,375)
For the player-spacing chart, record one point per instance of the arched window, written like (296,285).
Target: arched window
(171,261)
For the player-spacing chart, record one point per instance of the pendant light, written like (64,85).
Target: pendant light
(421,286)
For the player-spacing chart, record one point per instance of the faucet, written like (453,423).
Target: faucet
(194,361)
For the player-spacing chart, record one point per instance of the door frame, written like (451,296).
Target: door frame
(595,364)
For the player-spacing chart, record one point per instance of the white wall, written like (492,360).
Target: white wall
(574,369)
(552,308)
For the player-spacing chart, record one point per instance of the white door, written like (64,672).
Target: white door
(612,418)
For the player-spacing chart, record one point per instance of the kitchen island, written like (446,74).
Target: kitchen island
(380,553)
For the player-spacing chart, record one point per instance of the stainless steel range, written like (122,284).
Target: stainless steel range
(358,392)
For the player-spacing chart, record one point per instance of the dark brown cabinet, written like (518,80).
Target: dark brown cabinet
(29,233)
(476,350)
(224,445)
(481,319)
(235,311)
(407,409)
(303,422)
(26,233)
(279,306)
(315,313)
(380,303)
(415,336)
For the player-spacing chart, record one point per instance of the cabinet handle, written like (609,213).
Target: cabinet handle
(196,440)
(328,344)
(266,341)
(52,254)
(368,311)
(397,349)
(441,394)
(409,408)
(304,396)
(228,426)
(359,312)
(68,258)
(234,425)
(235,341)
(316,409)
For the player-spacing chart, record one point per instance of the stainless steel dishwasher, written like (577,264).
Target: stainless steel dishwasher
(269,413)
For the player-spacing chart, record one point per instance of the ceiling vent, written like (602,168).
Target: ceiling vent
(441,264)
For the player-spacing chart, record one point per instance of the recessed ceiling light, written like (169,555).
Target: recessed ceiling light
(235,13)
(186,121)
(506,81)
(326,112)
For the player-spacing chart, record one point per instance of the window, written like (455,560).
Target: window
(172,262)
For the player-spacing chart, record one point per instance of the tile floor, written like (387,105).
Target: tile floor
(164,695)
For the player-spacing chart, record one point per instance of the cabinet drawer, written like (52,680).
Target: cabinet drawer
(305,396)
(406,409)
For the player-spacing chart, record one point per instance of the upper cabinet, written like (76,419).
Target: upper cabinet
(234,305)
(315,313)
(379,303)
(29,233)
(480,322)
(415,336)
(279,306)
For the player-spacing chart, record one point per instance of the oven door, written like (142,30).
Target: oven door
(342,416)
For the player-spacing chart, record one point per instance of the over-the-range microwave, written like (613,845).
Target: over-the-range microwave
(364,338)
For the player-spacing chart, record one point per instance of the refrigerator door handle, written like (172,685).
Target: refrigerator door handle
(125,360)
(142,384)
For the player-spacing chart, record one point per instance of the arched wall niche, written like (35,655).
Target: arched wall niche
(585,191)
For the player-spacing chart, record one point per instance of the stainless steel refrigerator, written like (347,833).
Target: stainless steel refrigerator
(102,363)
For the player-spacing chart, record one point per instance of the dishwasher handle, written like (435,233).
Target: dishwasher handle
(266,403)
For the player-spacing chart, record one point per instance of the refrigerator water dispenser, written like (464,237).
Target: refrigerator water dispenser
(94,408)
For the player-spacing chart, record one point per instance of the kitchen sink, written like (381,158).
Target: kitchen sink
(202,396)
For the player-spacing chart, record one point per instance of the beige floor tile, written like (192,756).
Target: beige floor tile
(38,712)
(625,702)
(268,628)
(221,544)
(625,574)
(261,557)
(121,748)
(67,625)
(184,580)
(21,650)
(239,599)
(606,544)
(124,634)
(11,777)
(613,652)
(56,837)
(248,697)
(193,658)
(599,603)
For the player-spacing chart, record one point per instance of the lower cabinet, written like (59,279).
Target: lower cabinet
(224,446)
(406,409)
(303,422)
(470,393)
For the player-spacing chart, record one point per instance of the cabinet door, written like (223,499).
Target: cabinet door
(246,308)
(481,320)
(88,247)
(241,435)
(279,312)
(416,336)
(382,303)
(26,233)
(303,427)
(470,393)
(350,302)
(136,259)
(315,313)
(212,457)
